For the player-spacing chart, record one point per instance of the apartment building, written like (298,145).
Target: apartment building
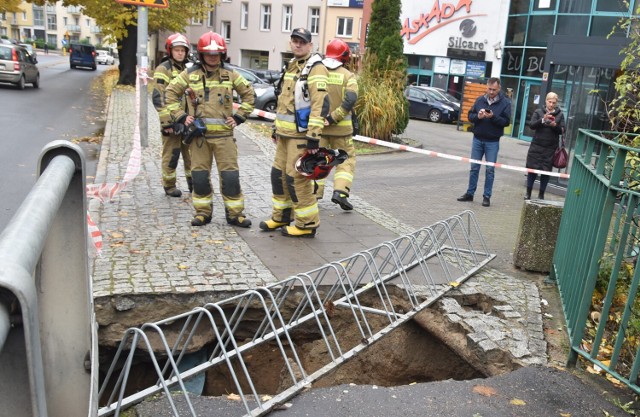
(56,23)
(258,33)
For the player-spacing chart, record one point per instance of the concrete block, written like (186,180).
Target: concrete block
(539,223)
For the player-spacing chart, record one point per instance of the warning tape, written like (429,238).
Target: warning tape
(106,192)
(379,142)
(456,158)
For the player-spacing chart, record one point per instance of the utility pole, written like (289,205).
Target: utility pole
(143,68)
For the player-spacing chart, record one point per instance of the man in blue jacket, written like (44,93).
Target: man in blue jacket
(489,114)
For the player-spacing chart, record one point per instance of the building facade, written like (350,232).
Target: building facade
(55,23)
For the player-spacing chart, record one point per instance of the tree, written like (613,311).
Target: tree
(119,22)
(382,108)
(10,6)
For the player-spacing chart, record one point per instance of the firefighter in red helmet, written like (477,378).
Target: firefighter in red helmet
(339,124)
(177,47)
(210,87)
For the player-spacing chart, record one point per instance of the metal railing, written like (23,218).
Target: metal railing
(596,256)
(48,339)
(374,291)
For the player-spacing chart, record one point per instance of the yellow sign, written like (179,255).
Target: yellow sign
(161,4)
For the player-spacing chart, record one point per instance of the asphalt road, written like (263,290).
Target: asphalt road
(62,108)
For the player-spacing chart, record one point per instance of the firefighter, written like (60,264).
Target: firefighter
(338,125)
(177,47)
(302,105)
(210,86)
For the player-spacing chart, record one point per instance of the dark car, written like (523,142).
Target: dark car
(18,66)
(82,55)
(265,93)
(269,76)
(424,103)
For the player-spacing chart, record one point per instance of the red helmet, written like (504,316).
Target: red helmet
(212,44)
(318,165)
(338,49)
(177,39)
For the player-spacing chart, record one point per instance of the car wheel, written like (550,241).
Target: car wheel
(21,83)
(270,107)
(93,68)
(36,83)
(434,115)
(73,66)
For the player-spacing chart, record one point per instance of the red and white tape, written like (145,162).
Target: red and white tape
(456,158)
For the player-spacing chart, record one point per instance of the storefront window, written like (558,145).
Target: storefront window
(516,29)
(610,6)
(572,25)
(511,61)
(533,64)
(602,26)
(540,28)
(576,6)
(519,7)
(426,63)
(413,61)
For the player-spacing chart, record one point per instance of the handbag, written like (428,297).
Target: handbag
(560,157)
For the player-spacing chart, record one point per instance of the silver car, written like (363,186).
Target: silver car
(18,66)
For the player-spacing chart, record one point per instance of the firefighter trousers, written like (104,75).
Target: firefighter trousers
(172,147)
(343,173)
(225,152)
(293,198)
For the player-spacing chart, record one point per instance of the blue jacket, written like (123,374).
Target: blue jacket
(490,129)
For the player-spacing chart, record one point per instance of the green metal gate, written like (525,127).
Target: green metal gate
(596,257)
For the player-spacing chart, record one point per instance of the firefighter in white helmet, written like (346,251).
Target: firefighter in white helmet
(339,124)
(210,87)
(177,47)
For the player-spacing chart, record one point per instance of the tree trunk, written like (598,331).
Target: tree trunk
(127,53)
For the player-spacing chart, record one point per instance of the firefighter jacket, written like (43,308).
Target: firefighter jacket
(164,73)
(342,89)
(214,98)
(285,123)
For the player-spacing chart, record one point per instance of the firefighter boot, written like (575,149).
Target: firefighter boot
(340,198)
(190,184)
(200,220)
(271,225)
(172,191)
(294,231)
(239,221)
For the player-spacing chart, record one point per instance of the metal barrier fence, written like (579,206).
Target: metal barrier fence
(375,291)
(48,339)
(596,256)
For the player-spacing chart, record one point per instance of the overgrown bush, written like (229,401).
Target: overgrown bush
(381,107)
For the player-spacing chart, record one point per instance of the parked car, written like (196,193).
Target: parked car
(269,76)
(29,48)
(104,58)
(18,66)
(430,105)
(265,93)
(82,55)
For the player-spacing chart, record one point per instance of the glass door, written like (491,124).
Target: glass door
(533,99)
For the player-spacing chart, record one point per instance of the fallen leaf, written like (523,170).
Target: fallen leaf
(117,235)
(266,397)
(454,284)
(183,267)
(517,401)
(484,390)
(233,397)
(614,381)
(565,414)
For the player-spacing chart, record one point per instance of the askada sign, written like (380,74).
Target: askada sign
(441,14)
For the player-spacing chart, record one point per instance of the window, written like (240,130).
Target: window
(345,27)
(196,20)
(265,17)
(314,20)
(244,15)
(287,16)
(51,22)
(64,19)
(88,22)
(38,17)
(540,28)
(572,25)
(210,19)
(575,6)
(545,6)
(226,31)
(24,15)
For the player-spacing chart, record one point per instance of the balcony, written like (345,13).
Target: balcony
(96,29)
(74,10)
(73,28)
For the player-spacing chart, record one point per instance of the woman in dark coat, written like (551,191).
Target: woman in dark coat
(548,123)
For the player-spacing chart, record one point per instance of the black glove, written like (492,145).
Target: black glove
(313,144)
(330,120)
(273,133)
(179,129)
(239,120)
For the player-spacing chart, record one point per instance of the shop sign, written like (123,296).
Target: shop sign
(441,65)
(476,69)
(457,67)
(357,4)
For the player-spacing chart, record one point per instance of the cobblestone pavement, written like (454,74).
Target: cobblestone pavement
(151,249)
